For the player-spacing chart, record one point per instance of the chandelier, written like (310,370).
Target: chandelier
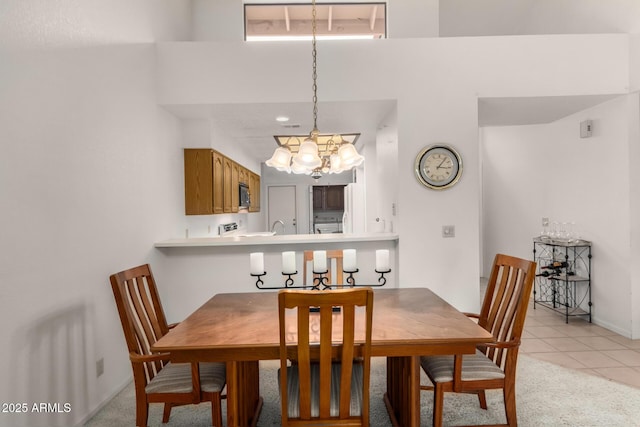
(317,153)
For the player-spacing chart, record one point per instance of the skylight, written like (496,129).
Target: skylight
(335,21)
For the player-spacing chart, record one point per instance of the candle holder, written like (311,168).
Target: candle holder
(351,281)
(259,281)
(382,280)
(289,282)
(320,280)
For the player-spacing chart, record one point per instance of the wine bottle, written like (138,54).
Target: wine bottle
(556,265)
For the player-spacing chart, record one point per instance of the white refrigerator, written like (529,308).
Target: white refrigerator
(354,217)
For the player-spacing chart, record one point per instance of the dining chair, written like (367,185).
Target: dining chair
(334,276)
(156,379)
(493,366)
(329,382)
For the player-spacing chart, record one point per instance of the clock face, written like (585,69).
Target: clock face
(438,167)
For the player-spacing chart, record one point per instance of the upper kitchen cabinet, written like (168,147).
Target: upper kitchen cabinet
(198,182)
(211,183)
(254,192)
(218,182)
(227,185)
(328,198)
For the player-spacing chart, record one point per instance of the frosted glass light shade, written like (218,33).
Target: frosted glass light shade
(336,164)
(308,155)
(300,169)
(280,160)
(349,156)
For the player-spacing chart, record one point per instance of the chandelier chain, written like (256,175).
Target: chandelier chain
(314,66)
(316,158)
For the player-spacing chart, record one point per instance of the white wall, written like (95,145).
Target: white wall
(634,62)
(90,178)
(55,23)
(530,172)
(508,17)
(386,184)
(633,106)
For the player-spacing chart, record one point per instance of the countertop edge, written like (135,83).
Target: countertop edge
(290,239)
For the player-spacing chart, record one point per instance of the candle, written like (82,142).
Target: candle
(257,263)
(289,262)
(382,260)
(349,260)
(319,261)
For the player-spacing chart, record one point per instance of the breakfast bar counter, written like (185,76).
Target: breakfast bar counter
(190,270)
(260,239)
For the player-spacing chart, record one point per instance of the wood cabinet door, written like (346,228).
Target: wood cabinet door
(243,175)
(254,192)
(318,198)
(198,181)
(335,198)
(328,197)
(211,183)
(218,182)
(235,194)
(227,183)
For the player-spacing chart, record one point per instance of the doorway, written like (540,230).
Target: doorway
(282,206)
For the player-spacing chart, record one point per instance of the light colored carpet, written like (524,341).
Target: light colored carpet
(547,395)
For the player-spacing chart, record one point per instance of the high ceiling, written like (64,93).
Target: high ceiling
(253,126)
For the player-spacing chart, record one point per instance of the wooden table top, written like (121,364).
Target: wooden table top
(244,326)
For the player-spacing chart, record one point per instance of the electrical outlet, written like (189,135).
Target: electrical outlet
(100,367)
(448,231)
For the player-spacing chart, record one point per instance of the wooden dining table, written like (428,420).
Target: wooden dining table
(242,328)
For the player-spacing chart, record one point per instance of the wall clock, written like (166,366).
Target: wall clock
(438,166)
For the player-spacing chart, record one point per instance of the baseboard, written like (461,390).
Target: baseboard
(102,404)
(611,327)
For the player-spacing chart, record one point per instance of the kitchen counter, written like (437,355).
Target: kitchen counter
(286,239)
(191,270)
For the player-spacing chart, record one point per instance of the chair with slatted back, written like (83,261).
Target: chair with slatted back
(329,382)
(334,276)
(155,378)
(494,365)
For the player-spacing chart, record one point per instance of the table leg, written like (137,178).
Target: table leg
(403,391)
(243,394)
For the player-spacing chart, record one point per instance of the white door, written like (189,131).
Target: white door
(282,206)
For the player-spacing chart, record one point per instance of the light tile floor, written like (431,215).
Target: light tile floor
(580,345)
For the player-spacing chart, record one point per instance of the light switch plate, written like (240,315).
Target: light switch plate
(448,231)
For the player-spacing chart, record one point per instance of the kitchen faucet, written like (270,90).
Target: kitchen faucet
(273,226)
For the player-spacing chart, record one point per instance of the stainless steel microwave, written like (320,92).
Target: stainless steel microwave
(245,200)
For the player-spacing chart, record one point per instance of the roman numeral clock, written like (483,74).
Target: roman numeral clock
(438,166)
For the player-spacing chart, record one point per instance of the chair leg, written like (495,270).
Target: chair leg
(216,411)
(166,413)
(509,396)
(482,397)
(438,402)
(142,414)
